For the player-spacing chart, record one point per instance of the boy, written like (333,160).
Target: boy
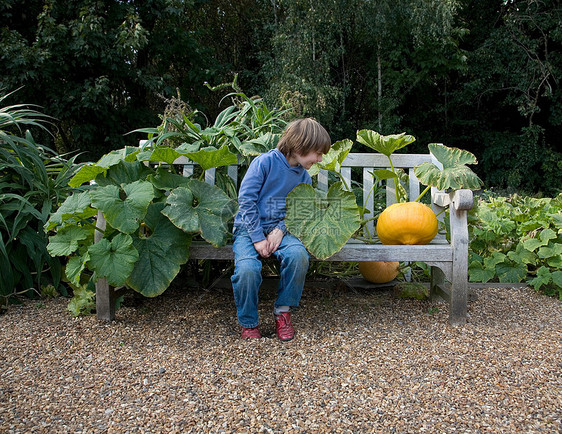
(259,226)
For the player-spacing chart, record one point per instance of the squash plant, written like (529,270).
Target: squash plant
(152,214)
(517,239)
(324,221)
(413,222)
(309,210)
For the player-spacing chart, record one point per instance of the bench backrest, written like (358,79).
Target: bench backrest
(368,162)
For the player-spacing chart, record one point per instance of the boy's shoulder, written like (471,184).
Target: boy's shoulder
(269,155)
(268,158)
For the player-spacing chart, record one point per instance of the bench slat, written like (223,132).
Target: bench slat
(349,252)
(323,180)
(368,199)
(379,160)
(346,175)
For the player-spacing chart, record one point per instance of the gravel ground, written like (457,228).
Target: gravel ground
(362,361)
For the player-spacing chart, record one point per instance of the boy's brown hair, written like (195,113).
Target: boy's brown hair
(302,136)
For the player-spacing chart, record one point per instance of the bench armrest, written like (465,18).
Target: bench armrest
(462,199)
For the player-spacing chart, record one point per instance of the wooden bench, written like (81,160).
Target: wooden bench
(448,260)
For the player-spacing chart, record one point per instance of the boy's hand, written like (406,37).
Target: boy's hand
(262,247)
(266,247)
(275,237)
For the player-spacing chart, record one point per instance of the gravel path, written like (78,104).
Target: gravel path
(362,361)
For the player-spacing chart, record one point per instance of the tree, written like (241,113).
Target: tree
(359,64)
(90,64)
(507,110)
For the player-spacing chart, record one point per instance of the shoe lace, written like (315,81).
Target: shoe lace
(284,321)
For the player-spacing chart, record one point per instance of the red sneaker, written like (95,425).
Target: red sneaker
(252,333)
(285,330)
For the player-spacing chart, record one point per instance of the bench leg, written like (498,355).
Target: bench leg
(458,305)
(459,243)
(105,301)
(437,283)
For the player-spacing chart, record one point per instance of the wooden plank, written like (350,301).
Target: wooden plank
(210,176)
(346,175)
(233,173)
(368,200)
(187,170)
(105,300)
(182,159)
(413,184)
(323,180)
(459,246)
(358,159)
(379,252)
(390,192)
(349,252)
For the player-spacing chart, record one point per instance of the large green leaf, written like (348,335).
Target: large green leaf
(168,155)
(478,273)
(511,272)
(164,180)
(200,207)
(85,174)
(125,172)
(333,160)
(113,259)
(90,172)
(209,158)
(123,211)
(161,253)
(324,222)
(384,144)
(543,277)
(74,268)
(76,205)
(455,174)
(66,241)
(522,255)
(260,145)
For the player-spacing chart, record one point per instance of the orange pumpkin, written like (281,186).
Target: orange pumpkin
(407,223)
(379,271)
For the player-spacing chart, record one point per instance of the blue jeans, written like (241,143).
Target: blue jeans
(246,280)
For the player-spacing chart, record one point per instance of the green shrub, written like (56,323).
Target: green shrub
(517,239)
(152,211)
(33,181)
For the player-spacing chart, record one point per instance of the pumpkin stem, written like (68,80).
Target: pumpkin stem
(422,193)
(396,181)
(346,187)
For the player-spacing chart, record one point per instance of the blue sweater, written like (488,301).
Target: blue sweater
(261,199)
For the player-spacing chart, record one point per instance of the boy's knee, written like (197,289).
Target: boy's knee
(298,257)
(248,267)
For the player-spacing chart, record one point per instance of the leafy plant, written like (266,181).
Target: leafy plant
(33,181)
(152,212)
(387,145)
(83,302)
(247,127)
(518,239)
(322,221)
(323,243)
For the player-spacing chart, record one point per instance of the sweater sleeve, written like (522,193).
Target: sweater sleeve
(248,196)
(281,224)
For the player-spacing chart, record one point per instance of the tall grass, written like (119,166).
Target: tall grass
(33,181)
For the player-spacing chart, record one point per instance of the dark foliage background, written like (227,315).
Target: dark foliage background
(483,75)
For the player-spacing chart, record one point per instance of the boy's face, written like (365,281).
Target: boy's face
(309,159)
